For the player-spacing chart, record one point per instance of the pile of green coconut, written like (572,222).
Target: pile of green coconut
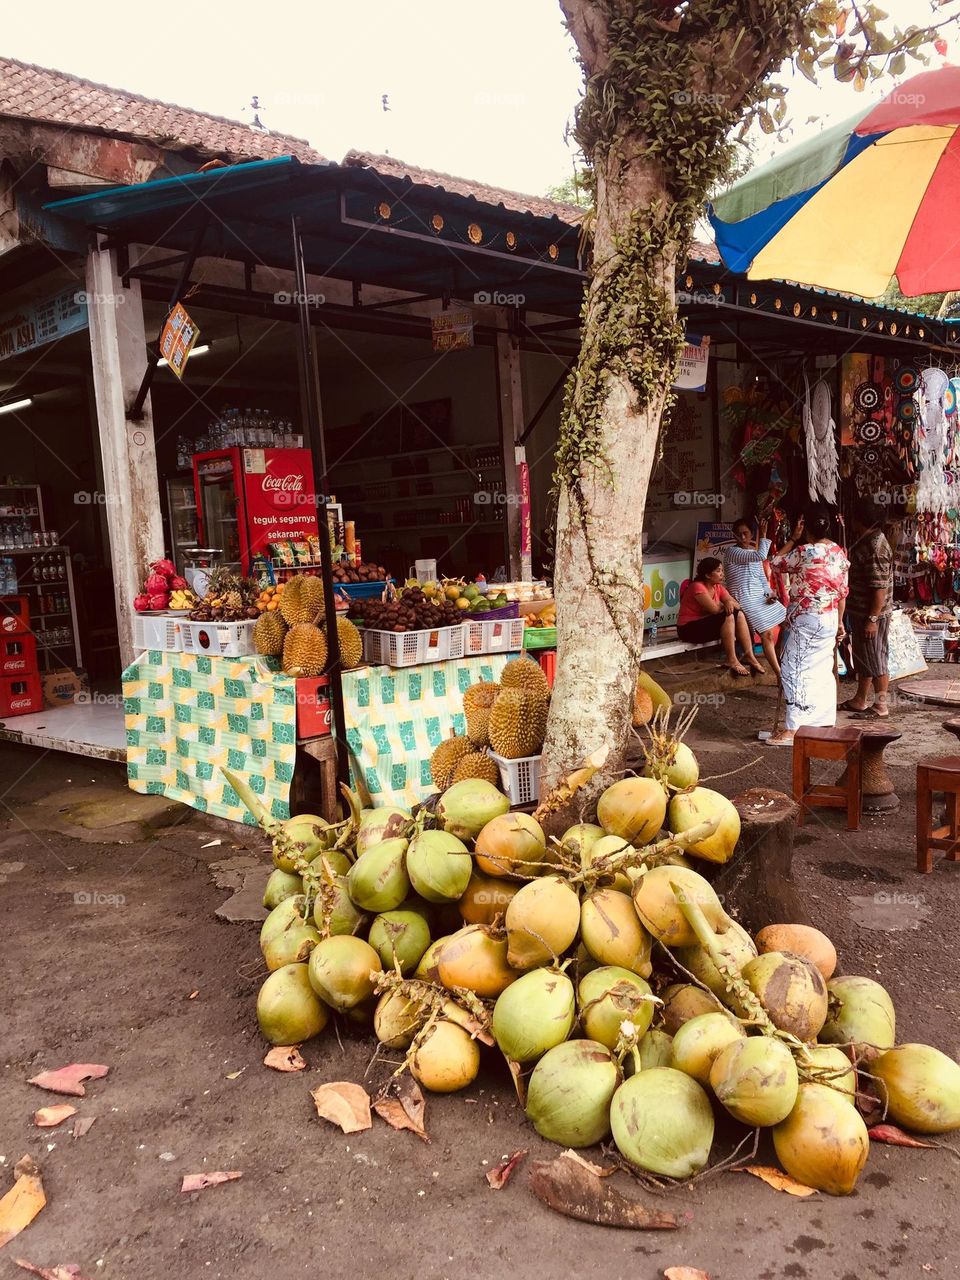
(602,967)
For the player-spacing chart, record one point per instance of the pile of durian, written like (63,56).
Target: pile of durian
(295,633)
(509,719)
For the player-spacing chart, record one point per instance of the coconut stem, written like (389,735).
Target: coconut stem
(629,856)
(251,802)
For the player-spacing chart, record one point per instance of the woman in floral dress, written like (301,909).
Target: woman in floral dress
(817,569)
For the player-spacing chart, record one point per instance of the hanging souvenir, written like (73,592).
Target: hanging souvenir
(820,431)
(870,456)
(868,432)
(868,397)
(905,379)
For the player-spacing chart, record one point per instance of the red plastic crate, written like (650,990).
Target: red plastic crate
(14,615)
(20,695)
(314,714)
(548,663)
(18,654)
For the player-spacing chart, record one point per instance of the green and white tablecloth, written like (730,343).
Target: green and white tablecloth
(187,715)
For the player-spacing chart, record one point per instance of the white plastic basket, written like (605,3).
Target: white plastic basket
(931,644)
(157,632)
(520,779)
(411,648)
(222,639)
(494,635)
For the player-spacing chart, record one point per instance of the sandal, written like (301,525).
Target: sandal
(779,741)
(850,708)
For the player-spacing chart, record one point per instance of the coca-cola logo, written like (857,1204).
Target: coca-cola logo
(15,664)
(16,704)
(10,623)
(290,483)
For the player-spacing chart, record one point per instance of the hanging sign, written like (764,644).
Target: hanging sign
(177,338)
(36,323)
(692,374)
(452,330)
(526,541)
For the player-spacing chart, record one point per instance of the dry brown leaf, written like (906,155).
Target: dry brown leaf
(684,1273)
(23,1201)
(343,1103)
(476,1030)
(62,1271)
(82,1125)
(405,1110)
(519,1084)
(501,1175)
(889,1133)
(285,1057)
(568,1187)
(779,1180)
(67,1079)
(197,1181)
(47,1117)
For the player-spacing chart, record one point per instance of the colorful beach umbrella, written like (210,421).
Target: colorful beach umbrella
(874,197)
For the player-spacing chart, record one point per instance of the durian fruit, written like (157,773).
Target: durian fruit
(301,600)
(445,759)
(304,650)
(518,723)
(477,765)
(268,634)
(351,644)
(477,701)
(525,673)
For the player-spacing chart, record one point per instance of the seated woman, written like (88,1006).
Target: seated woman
(709,612)
(743,570)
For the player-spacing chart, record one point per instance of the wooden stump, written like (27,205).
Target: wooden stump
(313,788)
(756,885)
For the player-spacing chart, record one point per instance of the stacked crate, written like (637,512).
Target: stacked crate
(21,692)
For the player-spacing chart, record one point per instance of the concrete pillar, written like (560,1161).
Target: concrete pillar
(510,388)
(131,495)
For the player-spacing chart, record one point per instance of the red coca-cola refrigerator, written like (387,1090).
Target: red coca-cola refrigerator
(249,498)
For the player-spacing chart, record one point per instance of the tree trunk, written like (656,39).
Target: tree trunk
(757,885)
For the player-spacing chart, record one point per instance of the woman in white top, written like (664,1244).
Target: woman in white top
(744,572)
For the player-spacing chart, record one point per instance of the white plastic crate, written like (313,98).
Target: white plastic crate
(520,779)
(494,635)
(931,644)
(411,648)
(221,639)
(158,631)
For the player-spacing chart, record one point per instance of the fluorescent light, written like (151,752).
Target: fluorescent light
(197,351)
(16,404)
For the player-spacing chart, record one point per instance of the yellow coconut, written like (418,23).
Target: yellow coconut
(612,933)
(683,1001)
(920,1087)
(735,944)
(861,1013)
(657,904)
(446,1060)
(610,996)
(541,922)
(601,848)
(427,968)
(823,1142)
(486,897)
(828,1064)
(511,845)
(700,1040)
(633,808)
(702,805)
(791,990)
(756,1079)
(800,940)
(476,958)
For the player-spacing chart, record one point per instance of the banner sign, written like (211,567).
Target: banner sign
(452,330)
(36,323)
(692,374)
(177,338)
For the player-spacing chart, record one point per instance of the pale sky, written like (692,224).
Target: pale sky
(477,88)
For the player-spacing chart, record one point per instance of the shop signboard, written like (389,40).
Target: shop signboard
(36,323)
(177,339)
(662,578)
(692,374)
(279,496)
(452,330)
(712,537)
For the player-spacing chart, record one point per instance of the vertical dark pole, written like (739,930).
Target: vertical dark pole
(314,430)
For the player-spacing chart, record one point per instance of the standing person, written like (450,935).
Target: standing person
(709,612)
(744,574)
(817,568)
(869,607)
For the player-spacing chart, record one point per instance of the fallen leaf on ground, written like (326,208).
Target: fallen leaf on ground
(501,1175)
(47,1117)
(68,1079)
(211,844)
(896,1137)
(684,1273)
(285,1057)
(193,995)
(343,1103)
(63,1270)
(779,1180)
(82,1125)
(567,1187)
(197,1181)
(235,1075)
(405,1109)
(601,1171)
(23,1201)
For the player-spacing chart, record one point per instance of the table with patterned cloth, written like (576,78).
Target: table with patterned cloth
(186,716)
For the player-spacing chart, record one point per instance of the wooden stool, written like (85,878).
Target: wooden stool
(953,726)
(843,744)
(937,773)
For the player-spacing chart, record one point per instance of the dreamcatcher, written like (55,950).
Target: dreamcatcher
(820,432)
(933,490)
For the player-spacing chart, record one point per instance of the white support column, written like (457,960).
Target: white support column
(510,382)
(131,486)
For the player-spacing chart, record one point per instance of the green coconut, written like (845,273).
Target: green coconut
(612,933)
(534,1014)
(569,1093)
(542,921)
(700,1041)
(677,767)
(385,823)
(427,966)
(655,1049)
(578,839)
(703,805)
(662,1122)
(439,866)
(657,905)
(342,971)
(735,945)
(610,996)
(827,1064)
(791,990)
(280,885)
(344,917)
(399,938)
(756,1079)
(310,835)
(683,1001)
(860,1013)
(397,1019)
(633,808)
(465,808)
(285,937)
(378,880)
(823,1142)
(920,1087)
(288,1010)
(602,848)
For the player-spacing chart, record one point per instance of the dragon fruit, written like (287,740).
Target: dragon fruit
(141,603)
(178,584)
(159,599)
(164,567)
(156,583)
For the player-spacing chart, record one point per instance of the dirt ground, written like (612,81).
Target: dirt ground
(103,944)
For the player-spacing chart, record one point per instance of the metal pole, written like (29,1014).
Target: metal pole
(314,428)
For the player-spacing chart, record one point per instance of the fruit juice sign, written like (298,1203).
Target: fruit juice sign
(177,339)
